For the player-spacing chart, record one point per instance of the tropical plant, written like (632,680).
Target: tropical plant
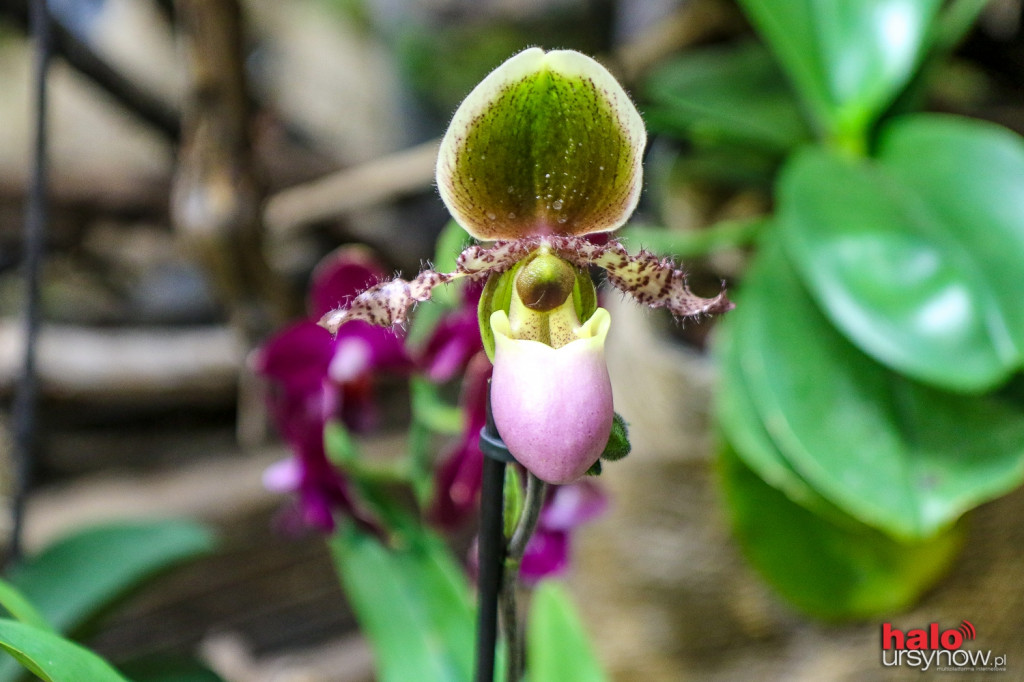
(869,393)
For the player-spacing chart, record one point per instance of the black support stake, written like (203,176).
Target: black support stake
(491,546)
(492,549)
(36,216)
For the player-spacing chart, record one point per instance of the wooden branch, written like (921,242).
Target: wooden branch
(216,194)
(369,184)
(123,365)
(145,105)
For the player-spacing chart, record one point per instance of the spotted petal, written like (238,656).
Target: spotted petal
(652,281)
(388,303)
(548,143)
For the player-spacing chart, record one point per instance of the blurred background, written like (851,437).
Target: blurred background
(194,186)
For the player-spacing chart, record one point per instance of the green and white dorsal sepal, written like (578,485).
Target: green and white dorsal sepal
(548,143)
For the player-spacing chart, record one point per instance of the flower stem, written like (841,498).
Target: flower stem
(513,558)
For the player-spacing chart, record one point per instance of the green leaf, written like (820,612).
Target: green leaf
(51,657)
(430,409)
(739,421)
(918,283)
(412,602)
(847,58)
(971,175)
(72,580)
(452,241)
(895,454)
(558,649)
(732,94)
(342,449)
(168,669)
(20,608)
(829,570)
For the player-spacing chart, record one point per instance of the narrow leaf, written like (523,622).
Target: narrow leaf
(52,658)
(558,649)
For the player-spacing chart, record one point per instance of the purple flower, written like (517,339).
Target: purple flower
(549,551)
(458,479)
(313,378)
(454,341)
(568,507)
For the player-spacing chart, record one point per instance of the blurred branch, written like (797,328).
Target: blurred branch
(216,195)
(83,59)
(123,365)
(368,184)
(693,22)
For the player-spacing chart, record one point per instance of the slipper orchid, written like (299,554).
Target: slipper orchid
(545,151)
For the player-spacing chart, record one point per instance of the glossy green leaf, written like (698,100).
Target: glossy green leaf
(971,174)
(70,581)
(548,143)
(739,421)
(908,284)
(847,58)
(20,608)
(725,95)
(830,570)
(558,649)
(412,602)
(890,452)
(52,658)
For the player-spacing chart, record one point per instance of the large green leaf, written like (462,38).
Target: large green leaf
(52,658)
(911,279)
(890,452)
(412,602)
(827,569)
(971,174)
(73,579)
(741,424)
(558,649)
(848,58)
(732,94)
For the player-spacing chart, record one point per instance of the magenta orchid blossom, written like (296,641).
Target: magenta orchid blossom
(314,378)
(566,508)
(543,152)
(458,478)
(549,551)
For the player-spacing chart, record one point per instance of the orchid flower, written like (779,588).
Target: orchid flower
(549,551)
(458,478)
(543,153)
(314,378)
(566,508)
